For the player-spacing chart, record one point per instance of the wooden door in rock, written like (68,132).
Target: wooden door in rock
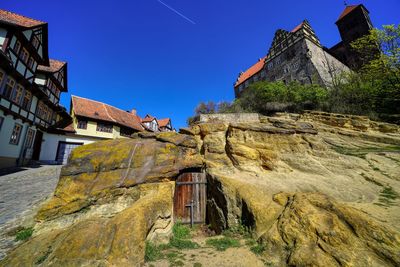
(191,198)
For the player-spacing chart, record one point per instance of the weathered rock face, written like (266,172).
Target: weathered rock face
(318,190)
(103,170)
(249,165)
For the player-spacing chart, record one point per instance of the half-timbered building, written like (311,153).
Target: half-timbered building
(29,102)
(165,125)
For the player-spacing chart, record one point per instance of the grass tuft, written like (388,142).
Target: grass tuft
(223,243)
(387,197)
(258,249)
(183,243)
(152,252)
(181,231)
(24,234)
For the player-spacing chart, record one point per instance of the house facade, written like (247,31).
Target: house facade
(93,121)
(30,88)
(153,124)
(298,55)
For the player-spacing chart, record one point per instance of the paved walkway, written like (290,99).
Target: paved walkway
(20,194)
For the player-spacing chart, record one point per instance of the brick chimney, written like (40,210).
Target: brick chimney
(133,111)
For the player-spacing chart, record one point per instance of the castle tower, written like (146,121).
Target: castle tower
(354,22)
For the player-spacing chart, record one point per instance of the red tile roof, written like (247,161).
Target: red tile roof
(18,20)
(298,27)
(163,122)
(251,71)
(54,66)
(97,110)
(347,10)
(148,118)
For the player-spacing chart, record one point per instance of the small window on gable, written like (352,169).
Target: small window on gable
(16,134)
(17,47)
(24,55)
(35,42)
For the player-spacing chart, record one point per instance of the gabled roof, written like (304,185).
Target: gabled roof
(99,111)
(251,71)
(164,122)
(148,118)
(348,10)
(18,20)
(298,27)
(54,66)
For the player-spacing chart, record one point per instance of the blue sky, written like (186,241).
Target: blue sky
(143,55)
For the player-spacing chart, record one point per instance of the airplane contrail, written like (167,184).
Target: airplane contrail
(177,12)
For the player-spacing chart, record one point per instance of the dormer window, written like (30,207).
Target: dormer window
(24,55)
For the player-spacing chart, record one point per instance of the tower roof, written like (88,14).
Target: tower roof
(350,9)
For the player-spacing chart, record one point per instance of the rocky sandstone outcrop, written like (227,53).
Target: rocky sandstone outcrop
(317,189)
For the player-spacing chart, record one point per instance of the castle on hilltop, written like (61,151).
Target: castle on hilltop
(298,55)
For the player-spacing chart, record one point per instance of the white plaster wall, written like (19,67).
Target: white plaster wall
(50,144)
(6,149)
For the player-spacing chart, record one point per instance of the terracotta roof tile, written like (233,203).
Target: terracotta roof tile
(54,66)
(148,118)
(347,10)
(298,27)
(97,110)
(18,20)
(163,122)
(251,71)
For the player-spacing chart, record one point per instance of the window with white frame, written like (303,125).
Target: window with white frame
(16,134)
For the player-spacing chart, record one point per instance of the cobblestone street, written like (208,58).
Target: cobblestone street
(20,195)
